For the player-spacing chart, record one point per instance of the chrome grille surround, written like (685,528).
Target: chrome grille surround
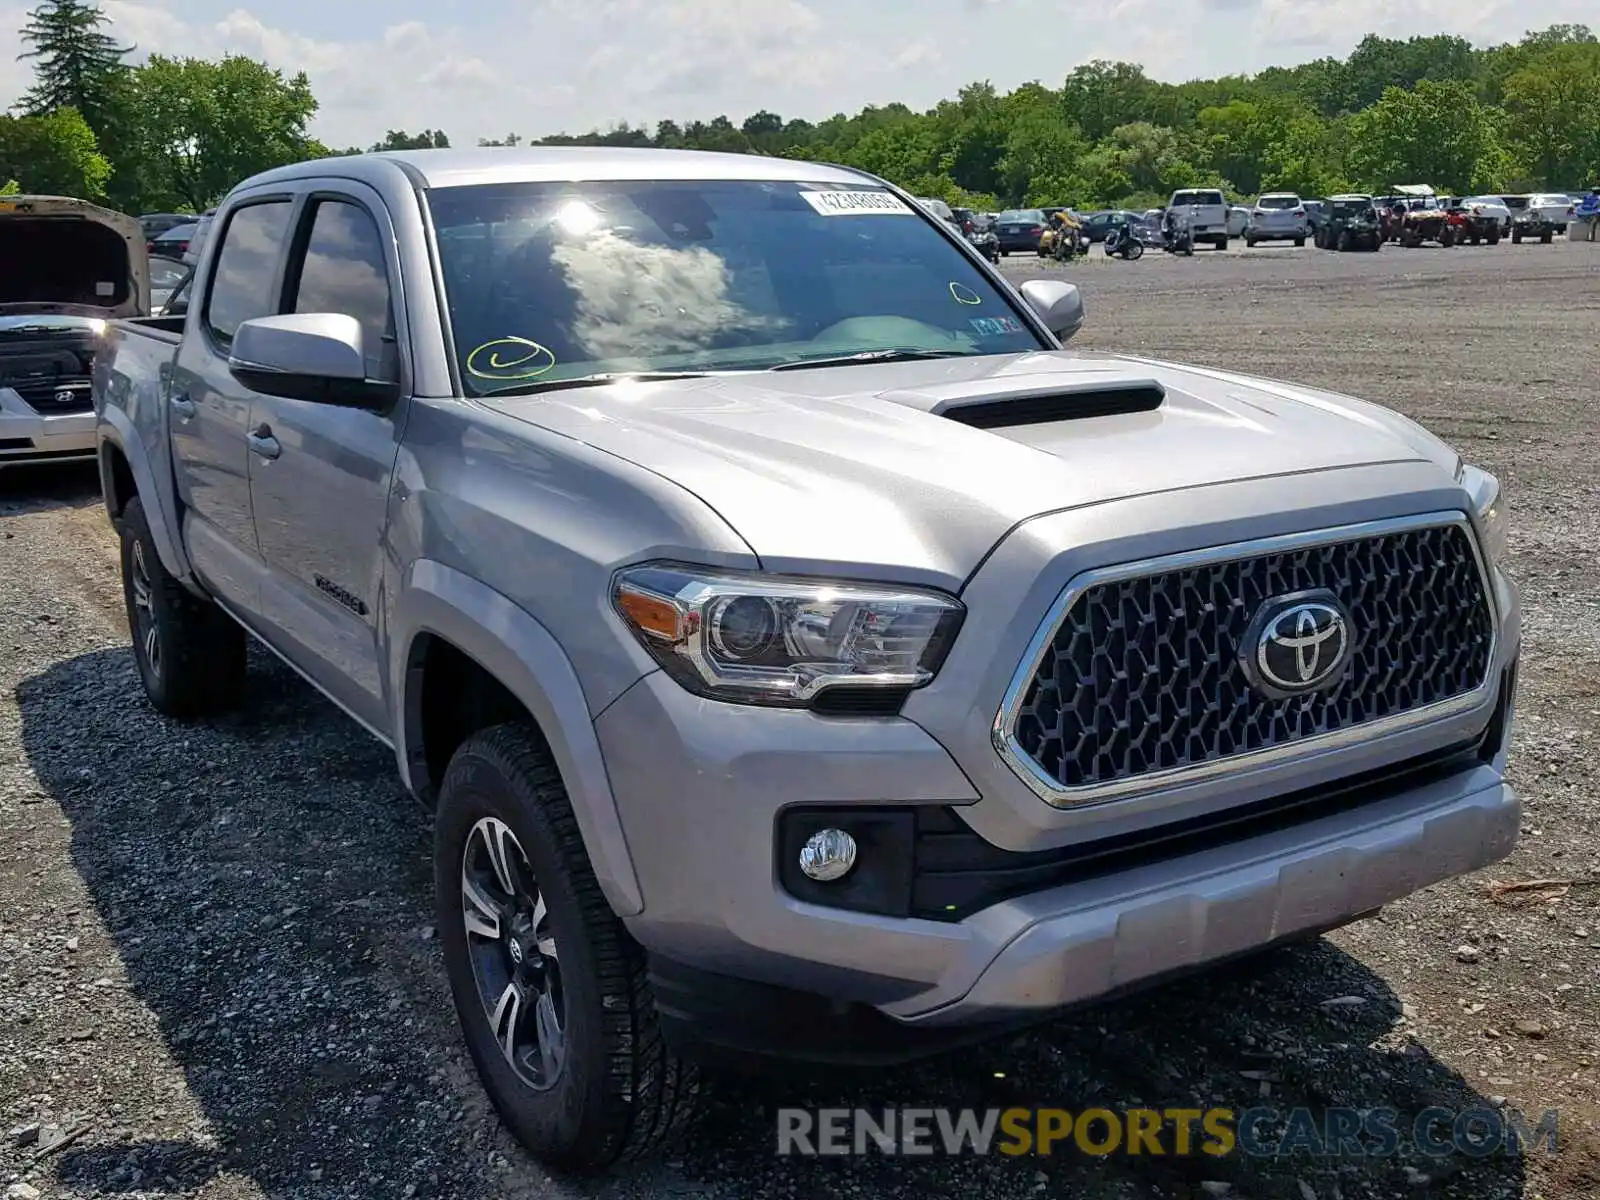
(1017,741)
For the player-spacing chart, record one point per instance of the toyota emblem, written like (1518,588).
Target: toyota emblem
(1296,644)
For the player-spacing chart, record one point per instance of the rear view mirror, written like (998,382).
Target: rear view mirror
(1059,305)
(307,356)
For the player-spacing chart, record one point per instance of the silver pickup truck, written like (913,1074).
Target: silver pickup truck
(801,652)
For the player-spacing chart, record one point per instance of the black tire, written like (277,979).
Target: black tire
(1222,242)
(1344,240)
(1545,238)
(618,1092)
(189,653)
(1299,241)
(1516,237)
(1494,239)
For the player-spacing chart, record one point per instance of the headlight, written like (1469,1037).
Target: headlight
(770,639)
(1488,504)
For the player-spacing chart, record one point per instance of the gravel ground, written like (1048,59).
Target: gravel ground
(216,973)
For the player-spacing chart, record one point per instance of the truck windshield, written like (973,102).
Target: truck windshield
(553,281)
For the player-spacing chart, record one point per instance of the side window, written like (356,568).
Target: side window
(244,283)
(345,271)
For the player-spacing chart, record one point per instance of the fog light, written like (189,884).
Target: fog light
(828,855)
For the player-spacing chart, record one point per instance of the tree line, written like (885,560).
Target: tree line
(174,134)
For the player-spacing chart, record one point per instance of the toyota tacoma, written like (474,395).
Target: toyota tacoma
(802,652)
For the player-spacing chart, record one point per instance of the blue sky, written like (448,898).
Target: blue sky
(477,68)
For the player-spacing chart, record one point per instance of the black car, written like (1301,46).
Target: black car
(1350,223)
(1096,224)
(1019,229)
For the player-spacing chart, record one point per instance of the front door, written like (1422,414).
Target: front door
(210,417)
(320,473)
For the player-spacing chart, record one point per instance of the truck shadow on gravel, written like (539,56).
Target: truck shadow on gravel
(267,889)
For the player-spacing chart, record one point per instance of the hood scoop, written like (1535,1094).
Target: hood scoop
(1061,402)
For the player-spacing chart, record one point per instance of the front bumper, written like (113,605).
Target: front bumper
(26,436)
(703,790)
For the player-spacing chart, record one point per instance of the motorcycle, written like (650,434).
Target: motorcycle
(985,243)
(1122,241)
(1069,242)
(1176,237)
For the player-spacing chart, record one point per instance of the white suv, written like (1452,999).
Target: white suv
(1278,216)
(1209,222)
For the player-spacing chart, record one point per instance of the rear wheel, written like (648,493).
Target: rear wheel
(1545,237)
(190,654)
(1222,242)
(551,991)
(1344,239)
(1299,241)
(1516,237)
(1135,250)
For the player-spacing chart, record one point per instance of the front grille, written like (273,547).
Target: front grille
(50,395)
(1142,677)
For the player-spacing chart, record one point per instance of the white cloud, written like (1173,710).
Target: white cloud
(542,66)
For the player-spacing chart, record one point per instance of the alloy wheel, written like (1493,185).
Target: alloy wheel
(513,952)
(146,632)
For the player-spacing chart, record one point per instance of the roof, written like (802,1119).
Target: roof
(1351,196)
(540,164)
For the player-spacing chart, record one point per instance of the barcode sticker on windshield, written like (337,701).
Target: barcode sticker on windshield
(857,204)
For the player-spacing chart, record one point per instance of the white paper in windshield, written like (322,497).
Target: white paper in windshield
(857,204)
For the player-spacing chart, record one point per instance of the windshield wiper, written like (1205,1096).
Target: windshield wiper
(868,356)
(531,387)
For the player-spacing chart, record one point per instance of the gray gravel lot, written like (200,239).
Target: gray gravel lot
(217,976)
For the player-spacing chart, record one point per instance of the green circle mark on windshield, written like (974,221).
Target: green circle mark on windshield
(964,295)
(510,358)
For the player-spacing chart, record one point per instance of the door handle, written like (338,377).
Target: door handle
(183,406)
(263,443)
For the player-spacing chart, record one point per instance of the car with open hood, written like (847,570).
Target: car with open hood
(67,267)
(802,650)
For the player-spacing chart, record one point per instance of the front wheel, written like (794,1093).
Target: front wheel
(550,989)
(190,654)
(1135,251)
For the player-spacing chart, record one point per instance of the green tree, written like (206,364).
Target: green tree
(1434,133)
(76,63)
(205,126)
(1553,115)
(10,188)
(399,139)
(53,155)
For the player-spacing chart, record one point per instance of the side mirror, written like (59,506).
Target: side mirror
(307,356)
(1059,305)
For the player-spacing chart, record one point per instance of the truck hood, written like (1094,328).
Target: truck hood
(71,258)
(887,465)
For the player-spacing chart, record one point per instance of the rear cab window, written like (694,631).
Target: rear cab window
(245,280)
(343,269)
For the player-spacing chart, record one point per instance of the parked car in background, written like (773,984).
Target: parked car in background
(66,268)
(1278,217)
(174,242)
(1351,222)
(165,276)
(1018,230)
(750,717)
(202,228)
(1238,220)
(1206,213)
(155,224)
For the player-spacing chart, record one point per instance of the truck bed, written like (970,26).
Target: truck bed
(131,380)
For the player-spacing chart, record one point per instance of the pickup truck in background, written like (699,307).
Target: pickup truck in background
(66,268)
(801,652)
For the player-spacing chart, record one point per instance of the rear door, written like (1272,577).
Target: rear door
(320,473)
(210,415)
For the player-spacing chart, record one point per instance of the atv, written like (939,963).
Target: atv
(1351,223)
